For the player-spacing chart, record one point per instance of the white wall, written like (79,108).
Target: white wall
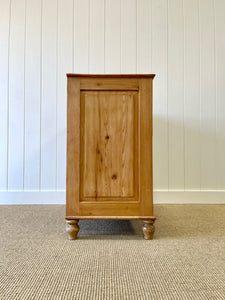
(182,42)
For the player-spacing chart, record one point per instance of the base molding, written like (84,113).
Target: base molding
(160,197)
(189,197)
(111,218)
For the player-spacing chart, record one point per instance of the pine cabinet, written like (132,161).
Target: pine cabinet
(109,149)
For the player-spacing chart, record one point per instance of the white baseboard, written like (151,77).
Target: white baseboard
(160,197)
(189,197)
(32,197)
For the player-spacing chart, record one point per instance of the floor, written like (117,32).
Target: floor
(110,259)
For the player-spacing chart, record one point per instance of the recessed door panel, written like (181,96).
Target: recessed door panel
(109,128)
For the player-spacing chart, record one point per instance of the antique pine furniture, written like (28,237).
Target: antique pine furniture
(109,150)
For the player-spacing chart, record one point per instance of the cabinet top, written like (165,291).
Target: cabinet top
(112,75)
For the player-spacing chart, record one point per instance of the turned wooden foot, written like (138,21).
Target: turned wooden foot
(148,229)
(72,229)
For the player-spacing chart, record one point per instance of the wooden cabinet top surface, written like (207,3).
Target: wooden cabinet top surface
(112,75)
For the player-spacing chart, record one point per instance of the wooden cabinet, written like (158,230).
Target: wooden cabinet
(109,149)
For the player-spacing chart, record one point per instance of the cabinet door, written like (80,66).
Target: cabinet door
(109,147)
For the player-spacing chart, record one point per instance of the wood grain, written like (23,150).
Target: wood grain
(105,208)
(108,84)
(72,229)
(73,147)
(145,146)
(148,229)
(108,158)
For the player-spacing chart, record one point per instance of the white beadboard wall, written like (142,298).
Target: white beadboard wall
(181,41)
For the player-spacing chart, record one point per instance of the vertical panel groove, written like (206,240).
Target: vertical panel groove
(74,65)
(215,72)
(175,94)
(191,96)
(24,121)
(10,11)
(56,92)
(208,117)
(184,142)
(89,36)
(128,41)
(65,55)
(200,94)
(112,36)
(120,37)
(49,65)
(32,95)
(73,33)
(104,34)
(158,64)
(167,107)
(151,71)
(219,7)
(136,33)
(16,96)
(97,32)
(41,59)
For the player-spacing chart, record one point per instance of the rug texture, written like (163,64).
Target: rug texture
(110,259)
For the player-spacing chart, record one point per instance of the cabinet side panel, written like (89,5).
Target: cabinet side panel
(73,147)
(145,147)
(108,144)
